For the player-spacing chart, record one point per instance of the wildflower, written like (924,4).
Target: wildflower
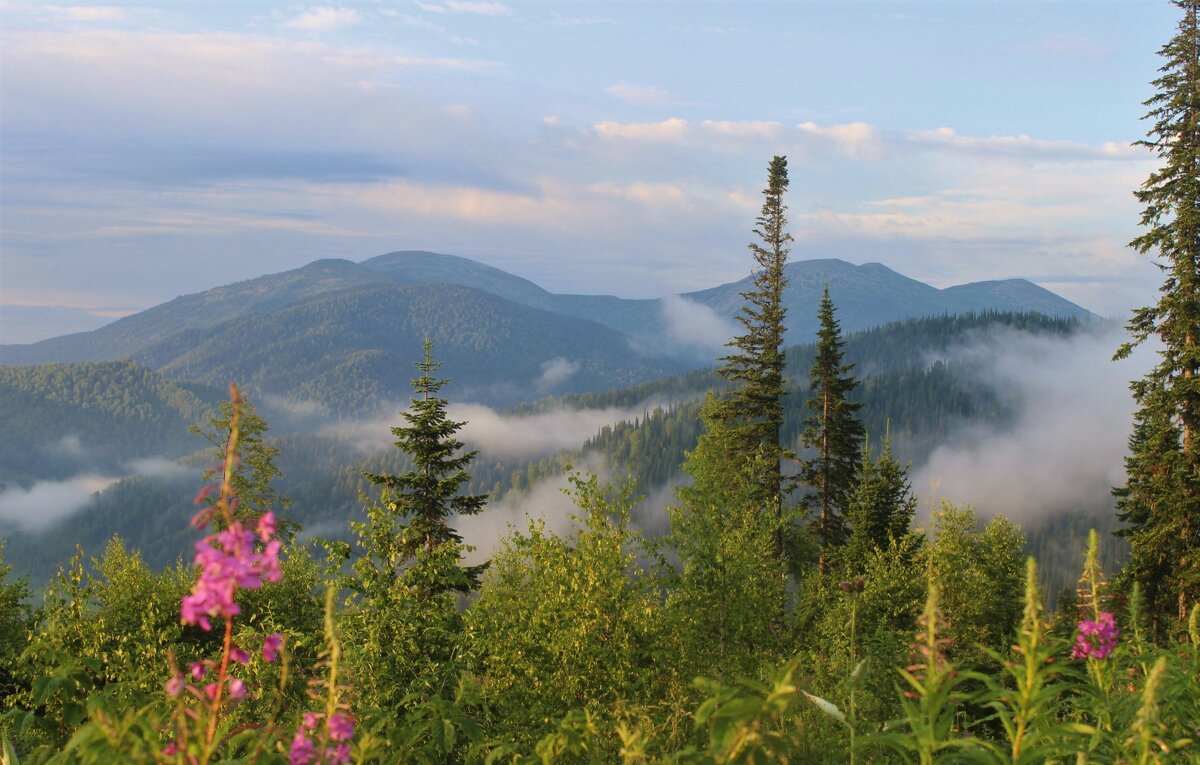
(1096,639)
(271,646)
(309,720)
(337,755)
(210,691)
(228,560)
(197,669)
(341,727)
(302,751)
(170,749)
(238,655)
(237,688)
(175,685)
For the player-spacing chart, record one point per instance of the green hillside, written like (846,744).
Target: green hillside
(63,419)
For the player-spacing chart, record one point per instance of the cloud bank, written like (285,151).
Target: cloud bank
(1065,448)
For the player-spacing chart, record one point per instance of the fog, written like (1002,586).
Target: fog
(45,503)
(695,327)
(496,434)
(546,500)
(1065,447)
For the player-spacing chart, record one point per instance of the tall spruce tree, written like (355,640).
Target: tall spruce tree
(752,414)
(833,433)
(405,622)
(1160,501)
(419,504)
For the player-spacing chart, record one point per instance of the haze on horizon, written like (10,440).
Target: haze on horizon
(150,150)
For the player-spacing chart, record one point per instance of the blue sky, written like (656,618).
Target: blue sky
(150,150)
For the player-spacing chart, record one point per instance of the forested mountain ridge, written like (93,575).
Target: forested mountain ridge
(867,296)
(61,419)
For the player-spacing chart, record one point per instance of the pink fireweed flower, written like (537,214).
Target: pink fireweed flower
(228,560)
(302,750)
(237,689)
(238,655)
(271,646)
(266,527)
(175,685)
(341,727)
(197,669)
(309,720)
(337,755)
(1096,640)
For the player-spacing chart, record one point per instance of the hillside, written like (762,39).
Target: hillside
(352,351)
(866,296)
(64,419)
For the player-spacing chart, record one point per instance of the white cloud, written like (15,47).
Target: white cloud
(86,13)
(555,372)
(854,139)
(744,130)
(946,137)
(673,129)
(535,435)
(45,503)
(695,326)
(478,8)
(324,19)
(1065,448)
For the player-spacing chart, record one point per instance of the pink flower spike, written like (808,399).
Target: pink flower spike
(302,751)
(271,646)
(310,719)
(238,655)
(266,526)
(197,669)
(237,689)
(337,755)
(1096,640)
(341,727)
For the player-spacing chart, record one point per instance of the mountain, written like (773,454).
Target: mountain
(872,295)
(339,337)
(352,350)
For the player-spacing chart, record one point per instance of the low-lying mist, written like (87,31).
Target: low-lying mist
(1065,447)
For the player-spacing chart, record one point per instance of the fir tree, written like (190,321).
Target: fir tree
(881,507)
(753,413)
(834,434)
(406,623)
(1160,501)
(419,504)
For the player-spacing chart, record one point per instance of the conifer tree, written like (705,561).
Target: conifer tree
(834,434)
(421,502)
(1160,501)
(753,413)
(881,506)
(406,623)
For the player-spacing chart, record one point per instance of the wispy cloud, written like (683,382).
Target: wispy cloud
(672,129)
(324,19)
(948,138)
(86,13)
(559,20)
(475,7)
(642,94)
(854,139)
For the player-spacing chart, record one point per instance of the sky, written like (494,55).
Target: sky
(149,150)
